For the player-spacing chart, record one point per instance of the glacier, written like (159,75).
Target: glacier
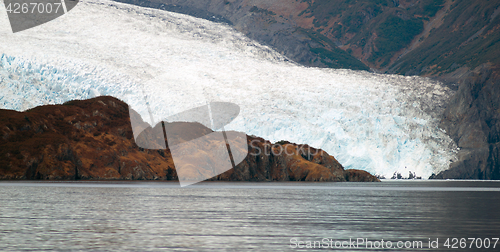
(375,122)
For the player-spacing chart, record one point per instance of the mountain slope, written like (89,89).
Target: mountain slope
(468,37)
(268,22)
(473,121)
(428,37)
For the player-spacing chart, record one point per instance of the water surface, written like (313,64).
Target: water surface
(150,216)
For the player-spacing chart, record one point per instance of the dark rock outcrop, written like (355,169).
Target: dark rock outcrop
(472,119)
(93,139)
(285,161)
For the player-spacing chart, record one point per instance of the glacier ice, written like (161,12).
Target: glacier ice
(379,123)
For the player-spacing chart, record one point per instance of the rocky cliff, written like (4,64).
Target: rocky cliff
(93,139)
(473,120)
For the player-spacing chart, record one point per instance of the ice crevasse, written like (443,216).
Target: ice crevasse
(379,123)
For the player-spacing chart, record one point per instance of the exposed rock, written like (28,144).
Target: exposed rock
(359,176)
(284,162)
(472,119)
(93,139)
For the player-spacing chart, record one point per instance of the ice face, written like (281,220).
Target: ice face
(378,123)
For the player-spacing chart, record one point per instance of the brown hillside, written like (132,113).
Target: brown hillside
(93,139)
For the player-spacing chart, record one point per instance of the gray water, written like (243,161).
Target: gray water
(150,216)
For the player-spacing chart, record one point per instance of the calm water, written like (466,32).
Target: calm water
(147,216)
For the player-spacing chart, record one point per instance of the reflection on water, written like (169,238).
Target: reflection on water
(237,216)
